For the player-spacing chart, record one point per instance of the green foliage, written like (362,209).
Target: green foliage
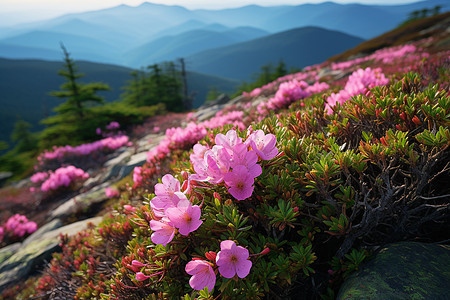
(421,14)
(369,173)
(76,94)
(3,145)
(24,139)
(213,94)
(159,84)
(267,74)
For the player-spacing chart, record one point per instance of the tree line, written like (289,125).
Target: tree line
(154,90)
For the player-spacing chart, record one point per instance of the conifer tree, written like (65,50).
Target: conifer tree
(75,120)
(159,84)
(23,137)
(76,93)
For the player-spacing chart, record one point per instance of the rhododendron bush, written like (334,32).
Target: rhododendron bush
(255,205)
(15,228)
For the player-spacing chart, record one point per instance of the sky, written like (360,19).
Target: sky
(15,11)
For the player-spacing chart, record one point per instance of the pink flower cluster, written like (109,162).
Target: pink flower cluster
(39,177)
(2,234)
(172,210)
(113,125)
(289,92)
(192,133)
(232,260)
(230,161)
(19,225)
(137,175)
(358,83)
(63,176)
(85,149)
(271,86)
(385,55)
(111,192)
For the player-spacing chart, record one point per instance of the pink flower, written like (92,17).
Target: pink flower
(129,208)
(137,175)
(2,233)
(263,144)
(240,182)
(228,141)
(138,264)
(168,187)
(113,125)
(218,163)
(111,192)
(19,225)
(160,204)
(185,217)
(233,260)
(202,275)
(249,159)
(163,232)
(141,276)
(63,176)
(39,177)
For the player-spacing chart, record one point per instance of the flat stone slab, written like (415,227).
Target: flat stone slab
(8,251)
(118,160)
(80,202)
(406,270)
(29,258)
(52,225)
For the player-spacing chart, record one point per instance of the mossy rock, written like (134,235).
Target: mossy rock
(8,251)
(406,270)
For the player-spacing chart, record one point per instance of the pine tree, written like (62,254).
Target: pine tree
(159,84)
(78,95)
(74,121)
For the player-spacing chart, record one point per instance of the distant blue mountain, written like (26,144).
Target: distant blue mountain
(84,47)
(297,48)
(21,52)
(170,48)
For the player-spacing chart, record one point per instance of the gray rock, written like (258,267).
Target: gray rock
(111,173)
(70,229)
(149,142)
(52,225)
(8,251)
(135,161)
(29,258)
(5,175)
(93,181)
(207,113)
(406,270)
(222,99)
(235,100)
(118,160)
(80,202)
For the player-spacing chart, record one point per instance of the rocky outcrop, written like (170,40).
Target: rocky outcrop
(80,203)
(406,270)
(17,261)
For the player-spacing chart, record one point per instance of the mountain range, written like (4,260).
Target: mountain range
(151,33)
(221,48)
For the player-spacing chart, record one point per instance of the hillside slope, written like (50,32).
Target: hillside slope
(281,193)
(25,86)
